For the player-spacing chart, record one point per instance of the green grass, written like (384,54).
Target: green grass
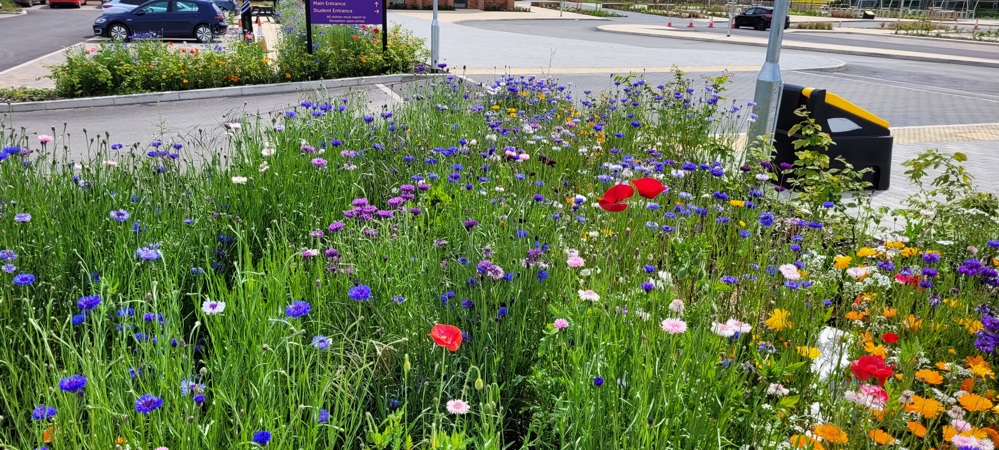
(8,6)
(24,94)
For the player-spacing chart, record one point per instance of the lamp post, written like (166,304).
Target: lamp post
(768,83)
(731,7)
(435,39)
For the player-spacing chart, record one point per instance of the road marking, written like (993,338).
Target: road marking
(39,58)
(389,92)
(622,70)
(969,97)
(913,84)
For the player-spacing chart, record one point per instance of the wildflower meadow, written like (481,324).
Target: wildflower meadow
(515,264)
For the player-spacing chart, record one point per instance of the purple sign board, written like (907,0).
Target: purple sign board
(345,12)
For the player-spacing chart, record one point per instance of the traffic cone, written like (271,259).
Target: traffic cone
(711,23)
(691,24)
(239,23)
(669,24)
(258,21)
(976,25)
(733,24)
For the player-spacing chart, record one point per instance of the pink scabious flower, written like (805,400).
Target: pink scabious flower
(674,326)
(777,389)
(319,162)
(588,295)
(960,425)
(575,261)
(44,138)
(110,163)
(790,272)
(869,396)
(457,406)
(730,328)
(561,324)
(310,253)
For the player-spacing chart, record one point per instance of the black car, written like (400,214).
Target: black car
(199,19)
(758,17)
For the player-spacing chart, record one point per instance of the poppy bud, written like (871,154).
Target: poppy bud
(406,366)
(478,384)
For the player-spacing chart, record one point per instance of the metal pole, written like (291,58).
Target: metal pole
(728,33)
(768,83)
(561,7)
(435,39)
(901,3)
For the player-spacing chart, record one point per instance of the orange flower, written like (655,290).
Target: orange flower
(942,366)
(912,323)
(929,376)
(875,349)
(926,407)
(979,367)
(975,402)
(916,428)
(856,315)
(879,436)
(993,435)
(831,433)
(968,384)
(889,312)
(47,435)
(803,441)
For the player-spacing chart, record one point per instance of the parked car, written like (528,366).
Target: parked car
(178,19)
(758,17)
(29,3)
(73,3)
(120,6)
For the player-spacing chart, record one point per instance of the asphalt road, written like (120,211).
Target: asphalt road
(44,30)
(586,30)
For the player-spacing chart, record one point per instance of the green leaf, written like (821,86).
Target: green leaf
(789,401)
(960,157)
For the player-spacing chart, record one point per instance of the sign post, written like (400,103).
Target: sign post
(769,84)
(345,12)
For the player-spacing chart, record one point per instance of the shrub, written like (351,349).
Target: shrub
(814,25)
(25,94)
(153,66)
(346,51)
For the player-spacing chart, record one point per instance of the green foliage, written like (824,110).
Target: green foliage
(26,94)
(814,176)
(146,65)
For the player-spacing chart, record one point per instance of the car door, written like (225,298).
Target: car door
(185,16)
(150,18)
(745,18)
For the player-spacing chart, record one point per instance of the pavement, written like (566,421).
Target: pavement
(938,112)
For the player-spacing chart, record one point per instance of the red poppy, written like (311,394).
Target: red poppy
(910,279)
(447,336)
(866,367)
(649,187)
(890,338)
(612,199)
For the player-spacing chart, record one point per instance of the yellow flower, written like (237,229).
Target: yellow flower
(805,441)
(975,402)
(889,312)
(912,323)
(842,262)
(185,81)
(541,96)
(809,352)
(894,244)
(164,76)
(778,320)
(742,223)
(737,203)
(831,433)
(495,107)
(865,252)
(972,325)
(926,407)
(875,349)
(929,376)
(910,251)
(511,110)
(979,366)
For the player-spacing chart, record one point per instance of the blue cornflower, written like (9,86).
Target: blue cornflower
(398,299)
(648,269)
(120,215)
(7,255)
(199,398)
(297,309)
(791,284)
(521,233)
(23,279)
(717,171)
(126,312)
(73,383)
(743,233)
(993,243)
(148,253)
(321,342)
(88,302)
(766,218)
(647,287)
(598,381)
(153,317)
(8,268)
(542,275)
(828,204)
(148,403)
(359,293)
(42,412)
(728,279)
(78,319)
(795,247)
(22,218)
(262,437)
(323,416)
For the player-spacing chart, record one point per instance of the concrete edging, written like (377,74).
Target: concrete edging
(197,94)
(787,46)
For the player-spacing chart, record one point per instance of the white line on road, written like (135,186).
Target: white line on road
(39,59)
(889,83)
(389,92)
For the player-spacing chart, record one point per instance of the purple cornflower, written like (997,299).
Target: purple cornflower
(336,226)
(73,383)
(648,287)
(23,279)
(149,253)
(88,302)
(22,218)
(43,412)
(319,162)
(148,403)
(469,224)
(297,309)
(359,293)
(321,342)
(120,215)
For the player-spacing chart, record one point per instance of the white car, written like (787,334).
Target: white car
(120,6)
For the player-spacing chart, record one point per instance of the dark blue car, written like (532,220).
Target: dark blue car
(178,19)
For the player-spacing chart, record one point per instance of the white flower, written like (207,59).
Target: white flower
(858,272)
(233,126)
(730,328)
(239,180)
(457,406)
(491,137)
(790,272)
(762,177)
(777,389)
(585,272)
(472,142)
(677,306)
(267,152)
(263,167)
(110,163)
(588,295)
(211,307)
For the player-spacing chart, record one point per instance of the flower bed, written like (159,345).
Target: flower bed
(518,265)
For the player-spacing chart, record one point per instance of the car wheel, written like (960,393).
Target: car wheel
(203,34)
(118,32)
(761,25)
